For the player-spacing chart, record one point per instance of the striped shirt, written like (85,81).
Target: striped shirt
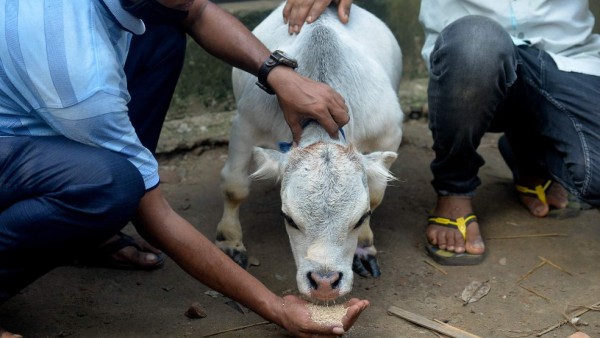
(61,73)
(563,28)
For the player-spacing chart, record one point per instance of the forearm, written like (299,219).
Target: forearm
(225,37)
(201,258)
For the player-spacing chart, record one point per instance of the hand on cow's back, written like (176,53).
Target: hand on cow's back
(296,318)
(298,12)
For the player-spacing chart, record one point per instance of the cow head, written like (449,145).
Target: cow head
(325,200)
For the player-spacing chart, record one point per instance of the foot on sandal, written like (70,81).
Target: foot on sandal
(453,236)
(125,252)
(548,199)
(542,197)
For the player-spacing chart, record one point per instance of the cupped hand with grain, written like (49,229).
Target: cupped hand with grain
(298,318)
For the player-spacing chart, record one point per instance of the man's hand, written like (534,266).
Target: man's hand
(301,98)
(296,318)
(297,12)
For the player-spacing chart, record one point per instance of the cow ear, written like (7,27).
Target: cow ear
(377,164)
(267,163)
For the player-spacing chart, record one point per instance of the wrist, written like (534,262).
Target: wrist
(274,61)
(273,309)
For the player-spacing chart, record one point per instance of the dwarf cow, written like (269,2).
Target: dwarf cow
(329,187)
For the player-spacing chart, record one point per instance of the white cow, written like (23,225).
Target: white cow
(329,187)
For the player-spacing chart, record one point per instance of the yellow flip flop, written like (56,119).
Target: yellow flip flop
(445,257)
(539,191)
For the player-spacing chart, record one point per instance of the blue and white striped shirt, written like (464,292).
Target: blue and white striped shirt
(61,73)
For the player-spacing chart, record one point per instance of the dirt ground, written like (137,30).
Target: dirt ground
(98,302)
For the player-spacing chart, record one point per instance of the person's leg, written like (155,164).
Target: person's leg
(559,131)
(153,67)
(57,198)
(471,70)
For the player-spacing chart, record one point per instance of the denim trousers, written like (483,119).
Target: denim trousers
(60,198)
(480,81)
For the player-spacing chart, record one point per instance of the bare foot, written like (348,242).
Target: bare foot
(556,197)
(451,239)
(6,334)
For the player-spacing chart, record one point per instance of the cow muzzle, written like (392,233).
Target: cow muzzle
(324,285)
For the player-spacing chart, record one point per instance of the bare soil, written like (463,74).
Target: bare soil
(98,302)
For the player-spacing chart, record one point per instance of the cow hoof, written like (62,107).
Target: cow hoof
(240,257)
(366,266)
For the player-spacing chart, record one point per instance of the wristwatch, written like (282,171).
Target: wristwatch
(277,58)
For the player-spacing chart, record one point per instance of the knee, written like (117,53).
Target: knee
(474,43)
(113,191)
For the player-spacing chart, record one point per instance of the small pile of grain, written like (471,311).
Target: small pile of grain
(328,315)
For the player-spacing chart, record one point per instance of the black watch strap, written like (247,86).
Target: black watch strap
(271,62)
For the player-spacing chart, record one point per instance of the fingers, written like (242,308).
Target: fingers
(298,12)
(295,13)
(336,115)
(355,308)
(344,10)
(315,11)
(296,129)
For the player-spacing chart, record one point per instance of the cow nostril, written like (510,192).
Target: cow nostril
(312,282)
(336,282)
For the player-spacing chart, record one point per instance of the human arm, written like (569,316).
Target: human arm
(161,225)
(297,12)
(225,37)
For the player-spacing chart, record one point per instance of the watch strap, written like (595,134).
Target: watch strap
(264,71)
(277,58)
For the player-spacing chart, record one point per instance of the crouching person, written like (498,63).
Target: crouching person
(73,168)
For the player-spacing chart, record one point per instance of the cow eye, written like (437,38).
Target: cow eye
(289,220)
(362,219)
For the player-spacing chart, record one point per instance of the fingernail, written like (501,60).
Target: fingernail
(151,257)
(309,19)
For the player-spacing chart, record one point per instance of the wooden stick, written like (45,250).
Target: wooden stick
(531,271)
(534,292)
(237,328)
(435,267)
(564,321)
(555,265)
(528,236)
(440,327)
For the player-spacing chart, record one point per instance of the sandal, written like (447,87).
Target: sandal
(445,257)
(539,191)
(102,256)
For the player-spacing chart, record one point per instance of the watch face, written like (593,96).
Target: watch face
(283,58)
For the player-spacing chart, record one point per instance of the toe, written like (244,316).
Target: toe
(535,206)
(441,240)
(474,243)
(557,196)
(450,240)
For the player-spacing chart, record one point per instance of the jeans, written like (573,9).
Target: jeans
(59,198)
(481,82)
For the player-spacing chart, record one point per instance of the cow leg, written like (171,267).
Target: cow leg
(235,186)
